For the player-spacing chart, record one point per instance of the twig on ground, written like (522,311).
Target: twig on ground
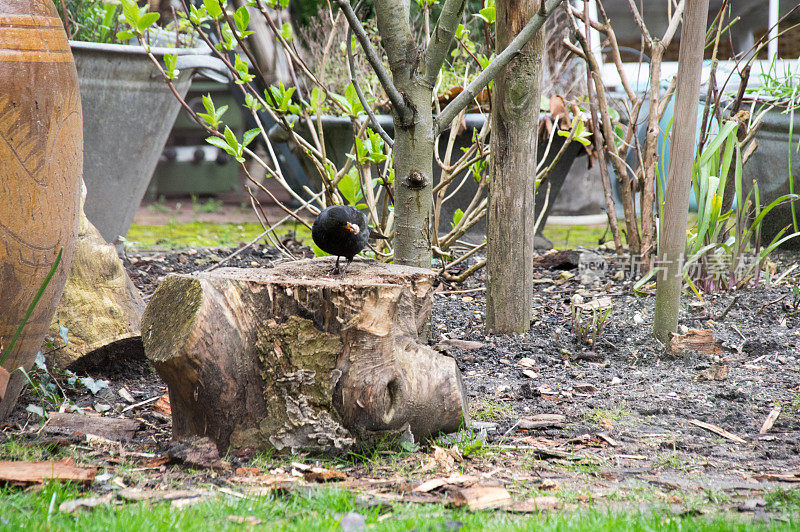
(717,430)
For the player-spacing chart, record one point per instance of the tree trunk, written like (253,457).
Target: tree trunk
(292,359)
(511,217)
(413,143)
(673,236)
(413,167)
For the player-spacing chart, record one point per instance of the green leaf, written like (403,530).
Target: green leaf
(286,31)
(219,143)
(486,14)
(230,138)
(317,97)
(457,216)
(93,385)
(213,8)
(352,98)
(146,21)
(251,102)
(250,135)
(219,112)
(170,62)
(242,18)
(349,186)
(131,12)
(125,35)
(343,102)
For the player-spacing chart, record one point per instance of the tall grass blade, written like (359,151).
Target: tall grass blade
(31,307)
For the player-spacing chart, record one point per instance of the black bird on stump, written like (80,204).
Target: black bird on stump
(342,231)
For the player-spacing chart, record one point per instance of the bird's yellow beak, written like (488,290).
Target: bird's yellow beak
(353,228)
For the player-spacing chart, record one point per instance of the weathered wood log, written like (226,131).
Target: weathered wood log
(100,307)
(292,359)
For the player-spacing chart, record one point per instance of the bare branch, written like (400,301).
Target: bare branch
(374,60)
(441,38)
(354,79)
(492,69)
(640,21)
(673,24)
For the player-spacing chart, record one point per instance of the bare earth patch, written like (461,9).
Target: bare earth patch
(556,421)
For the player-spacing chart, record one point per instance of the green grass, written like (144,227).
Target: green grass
(321,509)
(599,415)
(490,411)
(572,236)
(175,235)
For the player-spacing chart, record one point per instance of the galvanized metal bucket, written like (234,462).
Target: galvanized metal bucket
(128,112)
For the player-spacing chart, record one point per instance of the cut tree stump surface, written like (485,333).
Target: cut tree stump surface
(294,359)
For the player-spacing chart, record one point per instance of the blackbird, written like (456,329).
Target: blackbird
(341,230)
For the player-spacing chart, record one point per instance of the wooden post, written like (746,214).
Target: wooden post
(679,177)
(515,117)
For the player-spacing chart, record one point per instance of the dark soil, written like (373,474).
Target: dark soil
(627,402)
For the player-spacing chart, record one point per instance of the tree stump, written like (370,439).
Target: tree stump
(100,307)
(293,359)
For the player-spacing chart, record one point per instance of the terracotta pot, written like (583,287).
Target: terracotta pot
(41,149)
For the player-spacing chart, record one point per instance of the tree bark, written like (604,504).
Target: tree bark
(292,359)
(673,236)
(515,116)
(413,143)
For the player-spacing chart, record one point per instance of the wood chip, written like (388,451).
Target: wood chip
(548,484)
(68,507)
(717,372)
(38,472)
(126,395)
(539,421)
(457,479)
(196,452)
(608,439)
(466,345)
(530,374)
(245,519)
(430,485)
(584,387)
(481,497)
(535,504)
(320,474)
(601,303)
(136,494)
(780,477)
(526,362)
(700,340)
(4,377)
(771,417)
(180,504)
(162,405)
(110,428)
(561,259)
(717,430)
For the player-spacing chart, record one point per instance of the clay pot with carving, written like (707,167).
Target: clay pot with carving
(41,156)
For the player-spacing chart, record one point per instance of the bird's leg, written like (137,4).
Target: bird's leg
(335,268)
(345,268)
